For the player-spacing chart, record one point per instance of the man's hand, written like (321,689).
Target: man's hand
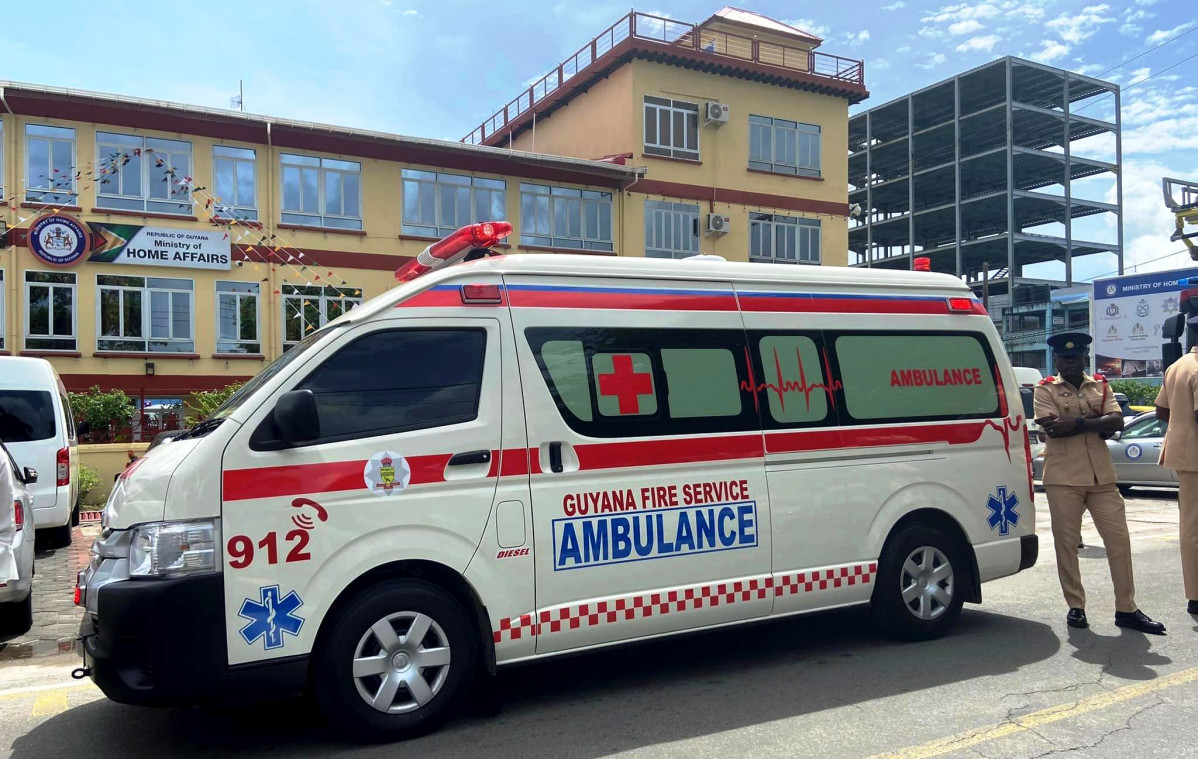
(1058,428)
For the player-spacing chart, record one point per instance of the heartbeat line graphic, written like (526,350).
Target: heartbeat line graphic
(1009,425)
(783,386)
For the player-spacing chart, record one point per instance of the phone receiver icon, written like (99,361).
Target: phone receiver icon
(304,521)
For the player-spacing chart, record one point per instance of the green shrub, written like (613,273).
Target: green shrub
(1138,392)
(89,479)
(104,412)
(201,405)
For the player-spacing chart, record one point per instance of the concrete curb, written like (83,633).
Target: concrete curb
(37,648)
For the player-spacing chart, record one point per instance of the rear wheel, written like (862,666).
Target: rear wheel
(397,661)
(57,537)
(921,585)
(16,619)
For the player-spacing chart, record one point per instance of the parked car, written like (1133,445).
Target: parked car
(37,426)
(16,596)
(1135,451)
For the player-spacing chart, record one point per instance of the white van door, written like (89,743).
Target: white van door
(405,468)
(649,503)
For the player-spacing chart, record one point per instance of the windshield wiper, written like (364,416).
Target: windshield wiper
(201,428)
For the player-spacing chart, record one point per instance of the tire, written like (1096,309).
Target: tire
(16,619)
(919,552)
(75,516)
(59,537)
(345,699)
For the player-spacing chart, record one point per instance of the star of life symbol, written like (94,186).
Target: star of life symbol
(270,617)
(1002,510)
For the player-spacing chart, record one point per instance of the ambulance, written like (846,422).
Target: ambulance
(512,458)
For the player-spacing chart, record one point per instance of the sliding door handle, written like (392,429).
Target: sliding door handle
(555,457)
(470,457)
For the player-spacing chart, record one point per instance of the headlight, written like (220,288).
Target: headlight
(169,549)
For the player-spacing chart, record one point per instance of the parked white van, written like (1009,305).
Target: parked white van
(37,426)
(525,456)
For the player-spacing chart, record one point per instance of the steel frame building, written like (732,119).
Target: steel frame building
(961,170)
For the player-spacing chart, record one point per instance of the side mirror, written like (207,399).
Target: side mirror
(296,417)
(1174,327)
(83,428)
(29,475)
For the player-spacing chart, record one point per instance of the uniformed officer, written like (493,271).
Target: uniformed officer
(1176,404)
(1078,412)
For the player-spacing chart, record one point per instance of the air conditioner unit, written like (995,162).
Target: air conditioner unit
(718,223)
(717,113)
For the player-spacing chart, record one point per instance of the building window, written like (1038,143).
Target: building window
(436,204)
(237,317)
(783,239)
(143,174)
(144,314)
(307,308)
(671,229)
(671,128)
(787,147)
(321,192)
(561,217)
(50,165)
(234,178)
(50,311)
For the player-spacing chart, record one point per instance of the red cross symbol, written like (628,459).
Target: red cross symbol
(626,384)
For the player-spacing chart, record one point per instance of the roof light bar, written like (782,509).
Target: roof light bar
(454,248)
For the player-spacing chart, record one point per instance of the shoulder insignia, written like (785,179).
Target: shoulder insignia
(1045,381)
(1098,377)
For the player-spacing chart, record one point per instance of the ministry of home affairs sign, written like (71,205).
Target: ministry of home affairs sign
(160,246)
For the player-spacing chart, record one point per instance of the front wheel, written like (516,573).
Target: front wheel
(397,661)
(922,578)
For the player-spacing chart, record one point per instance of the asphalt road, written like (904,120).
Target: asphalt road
(1010,681)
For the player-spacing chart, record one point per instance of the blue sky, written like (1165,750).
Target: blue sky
(436,69)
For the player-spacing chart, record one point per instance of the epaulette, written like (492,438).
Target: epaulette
(1045,381)
(1098,377)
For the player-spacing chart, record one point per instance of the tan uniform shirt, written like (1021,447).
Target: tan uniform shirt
(1081,459)
(1179,394)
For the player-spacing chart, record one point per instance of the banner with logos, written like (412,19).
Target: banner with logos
(1128,313)
(160,246)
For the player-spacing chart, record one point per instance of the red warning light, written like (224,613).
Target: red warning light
(923,263)
(454,248)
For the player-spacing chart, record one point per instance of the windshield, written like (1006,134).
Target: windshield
(26,415)
(261,378)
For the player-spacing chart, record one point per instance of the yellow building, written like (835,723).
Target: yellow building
(163,249)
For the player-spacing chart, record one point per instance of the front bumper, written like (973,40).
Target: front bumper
(162,643)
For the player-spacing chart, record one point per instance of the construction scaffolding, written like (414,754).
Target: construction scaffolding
(961,171)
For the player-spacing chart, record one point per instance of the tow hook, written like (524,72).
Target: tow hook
(81,673)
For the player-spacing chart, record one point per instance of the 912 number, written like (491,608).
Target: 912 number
(241,548)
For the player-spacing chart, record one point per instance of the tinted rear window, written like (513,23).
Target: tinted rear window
(26,415)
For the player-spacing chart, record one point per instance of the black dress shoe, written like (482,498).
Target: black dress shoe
(1076,618)
(1192,607)
(1138,620)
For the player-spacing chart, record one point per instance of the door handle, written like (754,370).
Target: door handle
(555,457)
(470,457)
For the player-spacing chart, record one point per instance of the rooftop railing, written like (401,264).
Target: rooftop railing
(670,34)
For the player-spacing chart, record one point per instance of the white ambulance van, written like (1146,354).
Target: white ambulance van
(525,456)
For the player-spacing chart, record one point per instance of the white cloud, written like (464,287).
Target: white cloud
(986,43)
(412,12)
(857,39)
(807,25)
(1161,35)
(951,14)
(896,5)
(879,63)
(1085,69)
(904,49)
(932,61)
(1139,75)
(1145,2)
(1148,223)
(1051,51)
(968,26)
(1080,26)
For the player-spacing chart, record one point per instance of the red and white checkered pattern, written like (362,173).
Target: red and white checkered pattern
(822,579)
(574,616)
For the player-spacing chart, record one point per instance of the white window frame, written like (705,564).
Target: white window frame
(551,197)
(663,145)
(73,287)
(147,294)
(238,296)
(679,223)
(328,294)
(235,208)
(807,233)
(437,182)
(112,196)
(51,193)
(803,141)
(324,167)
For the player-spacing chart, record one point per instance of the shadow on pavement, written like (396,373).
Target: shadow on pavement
(595,705)
(1127,655)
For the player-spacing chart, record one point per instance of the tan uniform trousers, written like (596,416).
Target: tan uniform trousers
(1187,502)
(1066,504)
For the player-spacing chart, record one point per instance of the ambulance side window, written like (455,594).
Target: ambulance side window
(642,382)
(794,382)
(914,376)
(399,380)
